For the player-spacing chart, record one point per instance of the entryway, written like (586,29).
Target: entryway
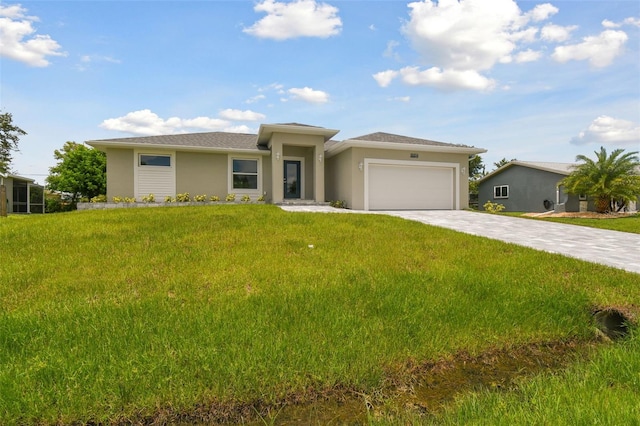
(292,179)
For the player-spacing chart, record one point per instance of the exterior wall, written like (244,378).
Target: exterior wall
(338,176)
(120,163)
(199,173)
(358,155)
(283,144)
(528,189)
(8,185)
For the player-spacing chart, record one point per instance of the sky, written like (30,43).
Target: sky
(526,80)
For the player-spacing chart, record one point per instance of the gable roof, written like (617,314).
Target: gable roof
(210,141)
(267,130)
(559,168)
(384,140)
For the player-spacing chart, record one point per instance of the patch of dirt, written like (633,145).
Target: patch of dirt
(582,215)
(420,387)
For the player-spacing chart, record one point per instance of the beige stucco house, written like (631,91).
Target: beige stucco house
(292,163)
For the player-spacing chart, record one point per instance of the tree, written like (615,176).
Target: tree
(9,137)
(609,179)
(476,172)
(503,162)
(80,171)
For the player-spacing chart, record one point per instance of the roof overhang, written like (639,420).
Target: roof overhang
(103,145)
(524,164)
(356,143)
(267,130)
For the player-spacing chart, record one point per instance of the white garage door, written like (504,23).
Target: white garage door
(410,187)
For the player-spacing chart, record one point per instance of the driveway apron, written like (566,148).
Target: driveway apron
(612,248)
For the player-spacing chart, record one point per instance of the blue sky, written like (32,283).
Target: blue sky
(536,81)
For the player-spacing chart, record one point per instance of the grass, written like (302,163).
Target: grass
(115,315)
(623,224)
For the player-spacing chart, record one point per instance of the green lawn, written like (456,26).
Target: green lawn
(121,314)
(622,224)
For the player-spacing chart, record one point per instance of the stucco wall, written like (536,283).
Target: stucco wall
(119,173)
(338,178)
(528,188)
(200,173)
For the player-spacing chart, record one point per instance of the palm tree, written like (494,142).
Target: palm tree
(607,180)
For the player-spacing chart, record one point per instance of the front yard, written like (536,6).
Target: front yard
(232,312)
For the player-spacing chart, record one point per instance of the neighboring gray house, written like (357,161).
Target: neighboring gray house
(292,162)
(526,186)
(23,194)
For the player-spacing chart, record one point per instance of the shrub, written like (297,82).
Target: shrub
(169,199)
(245,198)
(185,197)
(117,199)
(338,204)
(214,198)
(149,199)
(200,198)
(129,200)
(99,199)
(493,207)
(230,197)
(260,198)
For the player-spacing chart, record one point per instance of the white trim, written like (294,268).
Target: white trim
(230,188)
(374,161)
(302,180)
(504,197)
(351,143)
(137,168)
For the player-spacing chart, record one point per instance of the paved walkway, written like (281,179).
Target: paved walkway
(611,248)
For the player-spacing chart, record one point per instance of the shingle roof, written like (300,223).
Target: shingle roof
(390,137)
(564,168)
(222,140)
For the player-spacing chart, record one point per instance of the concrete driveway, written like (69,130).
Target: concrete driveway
(612,248)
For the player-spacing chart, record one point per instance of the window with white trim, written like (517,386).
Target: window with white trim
(244,173)
(154,160)
(501,191)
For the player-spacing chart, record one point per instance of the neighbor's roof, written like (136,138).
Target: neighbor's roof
(391,141)
(211,141)
(559,168)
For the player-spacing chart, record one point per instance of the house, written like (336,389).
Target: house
(22,194)
(526,186)
(292,163)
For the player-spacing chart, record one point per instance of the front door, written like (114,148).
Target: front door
(292,181)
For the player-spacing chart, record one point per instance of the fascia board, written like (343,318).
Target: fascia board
(216,150)
(266,130)
(522,164)
(344,145)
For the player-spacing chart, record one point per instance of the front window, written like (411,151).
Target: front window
(501,191)
(245,174)
(155,160)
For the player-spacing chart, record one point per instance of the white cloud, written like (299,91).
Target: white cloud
(19,42)
(300,18)
(86,60)
(528,56)
(254,99)
(390,52)
(446,79)
(556,33)
(384,78)
(599,50)
(307,94)
(401,99)
(606,130)
(628,21)
(238,115)
(147,123)
(461,39)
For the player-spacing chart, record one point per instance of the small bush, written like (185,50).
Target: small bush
(230,197)
(169,199)
(185,197)
(493,207)
(245,198)
(338,204)
(149,199)
(117,199)
(214,198)
(261,198)
(99,199)
(200,198)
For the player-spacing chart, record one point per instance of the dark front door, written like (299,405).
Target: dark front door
(291,179)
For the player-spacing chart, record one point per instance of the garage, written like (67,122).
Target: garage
(409,185)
